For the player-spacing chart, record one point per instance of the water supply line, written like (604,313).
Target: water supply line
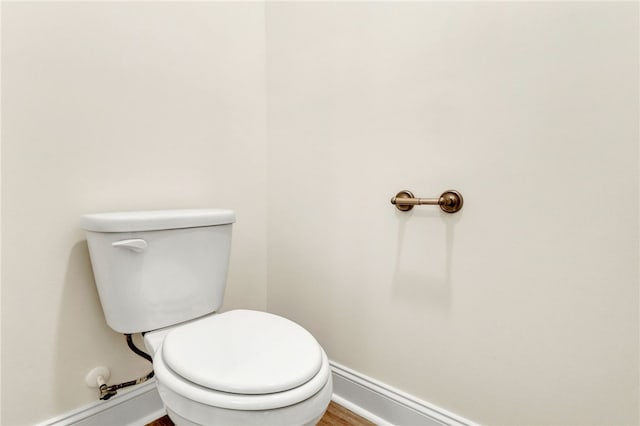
(107,392)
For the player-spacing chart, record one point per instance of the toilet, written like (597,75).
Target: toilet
(163,274)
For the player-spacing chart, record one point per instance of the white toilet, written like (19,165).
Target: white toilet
(163,273)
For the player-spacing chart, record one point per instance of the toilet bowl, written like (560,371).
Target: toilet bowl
(163,274)
(240,367)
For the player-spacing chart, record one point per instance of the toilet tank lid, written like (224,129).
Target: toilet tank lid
(156,220)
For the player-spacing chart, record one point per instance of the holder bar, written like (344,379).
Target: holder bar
(449,201)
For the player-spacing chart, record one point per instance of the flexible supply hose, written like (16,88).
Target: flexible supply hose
(135,349)
(107,392)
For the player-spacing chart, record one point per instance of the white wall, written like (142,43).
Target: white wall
(523,307)
(110,106)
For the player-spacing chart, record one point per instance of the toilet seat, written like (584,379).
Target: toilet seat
(243,351)
(312,368)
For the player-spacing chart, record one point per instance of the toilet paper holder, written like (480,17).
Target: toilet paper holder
(449,201)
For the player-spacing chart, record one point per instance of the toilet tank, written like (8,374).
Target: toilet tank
(158,268)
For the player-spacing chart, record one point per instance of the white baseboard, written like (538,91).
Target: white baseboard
(385,405)
(367,397)
(139,406)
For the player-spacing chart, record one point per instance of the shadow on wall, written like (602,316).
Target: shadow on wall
(424,258)
(84,340)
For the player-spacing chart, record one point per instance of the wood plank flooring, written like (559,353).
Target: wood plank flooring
(336,415)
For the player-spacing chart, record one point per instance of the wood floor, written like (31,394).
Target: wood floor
(336,415)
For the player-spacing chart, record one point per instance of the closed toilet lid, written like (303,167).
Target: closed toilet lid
(245,352)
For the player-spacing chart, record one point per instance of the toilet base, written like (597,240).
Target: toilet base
(185,412)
